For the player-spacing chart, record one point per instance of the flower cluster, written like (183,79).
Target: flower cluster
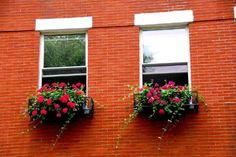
(167,100)
(57,100)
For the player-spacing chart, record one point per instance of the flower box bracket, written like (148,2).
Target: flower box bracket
(88,107)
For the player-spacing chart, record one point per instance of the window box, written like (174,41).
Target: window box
(191,106)
(156,110)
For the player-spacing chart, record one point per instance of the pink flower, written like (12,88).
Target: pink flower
(57,106)
(171,83)
(176,99)
(156,85)
(64,98)
(71,104)
(161,111)
(62,84)
(46,85)
(165,87)
(163,102)
(49,101)
(151,100)
(43,112)
(78,84)
(54,84)
(151,90)
(40,90)
(141,89)
(58,115)
(156,97)
(34,112)
(149,95)
(75,88)
(40,99)
(64,110)
(67,96)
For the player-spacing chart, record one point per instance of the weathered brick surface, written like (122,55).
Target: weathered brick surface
(113,64)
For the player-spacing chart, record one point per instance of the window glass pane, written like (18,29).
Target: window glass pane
(64,50)
(57,71)
(165,46)
(179,78)
(71,79)
(165,69)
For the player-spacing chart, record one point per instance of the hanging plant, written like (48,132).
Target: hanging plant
(167,103)
(59,102)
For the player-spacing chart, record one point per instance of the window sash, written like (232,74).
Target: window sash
(182,67)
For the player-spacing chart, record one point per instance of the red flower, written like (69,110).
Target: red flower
(62,84)
(58,115)
(71,104)
(64,110)
(57,106)
(49,101)
(34,112)
(149,95)
(64,98)
(162,111)
(43,112)
(79,93)
(40,99)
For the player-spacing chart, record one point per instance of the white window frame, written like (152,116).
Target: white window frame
(234,13)
(63,26)
(166,21)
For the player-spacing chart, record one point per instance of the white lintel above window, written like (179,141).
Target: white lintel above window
(63,24)
(164,18)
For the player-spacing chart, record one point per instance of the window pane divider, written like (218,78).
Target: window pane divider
(67,67)
(64,75)
(164,64)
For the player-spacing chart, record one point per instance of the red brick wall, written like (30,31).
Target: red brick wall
(113,64)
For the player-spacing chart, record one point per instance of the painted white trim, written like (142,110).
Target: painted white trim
(234,12)
(140,59)
(164,18)
(189,59)
(63,24)
(86,60)
(41,60)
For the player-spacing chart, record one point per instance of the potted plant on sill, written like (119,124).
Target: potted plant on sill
(59,102)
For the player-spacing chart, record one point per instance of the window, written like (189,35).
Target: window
(63,50)
(164,46)
(64,58)
(165,55)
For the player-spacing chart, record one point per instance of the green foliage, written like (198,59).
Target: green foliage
(64,50)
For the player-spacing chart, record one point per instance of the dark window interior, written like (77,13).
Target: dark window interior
(178,78)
